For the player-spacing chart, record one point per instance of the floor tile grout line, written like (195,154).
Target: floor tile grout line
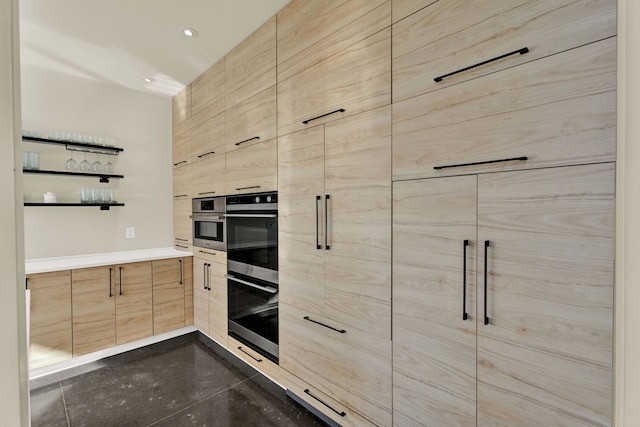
(64,402)
(202,400)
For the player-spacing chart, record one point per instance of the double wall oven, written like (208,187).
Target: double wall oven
(252,271)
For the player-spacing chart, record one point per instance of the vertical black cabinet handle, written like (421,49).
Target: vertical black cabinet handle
(204,276)
(110,276)
(26,283)
(208,276)
(487,243)
(318,246)
(120,280)
(180,261)
(326,222)
(464,280)
(342,414)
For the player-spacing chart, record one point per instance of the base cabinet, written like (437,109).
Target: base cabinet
(529,339)
(210,294)
(172,279)
(50,336)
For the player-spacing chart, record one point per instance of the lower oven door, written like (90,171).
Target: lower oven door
(253,313)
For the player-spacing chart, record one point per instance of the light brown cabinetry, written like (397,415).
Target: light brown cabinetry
(252,169)
(310,31)
(555,111)
(171,280)
(252,121)
(254,359)
(544,340)
(50,334)
(208,176)
(208,92)
(134,301)
(354,80)
(337,267)
(182,183)
(448,36)
(207,138)
(210,294)
(182,222)
(181,110)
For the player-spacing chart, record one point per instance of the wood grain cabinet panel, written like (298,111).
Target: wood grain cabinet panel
(182,183)
(218,318)
(355,80)
(448,36)
(210,294)
(555,111)
(181,108)
(252,121)
(200,295)
(253,169)
(188,289)
(403,8)
(134,301)
(255,359)
(207,139)
(50,334)
(208,90)
(251,65)
(93,294)
(181,149)
(312,31)
(182,221)
(169,294)
(545,330)
(209,176)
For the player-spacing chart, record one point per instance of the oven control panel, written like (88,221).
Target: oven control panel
(253,199)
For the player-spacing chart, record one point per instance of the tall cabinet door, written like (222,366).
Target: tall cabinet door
(94,309)
(545,356)
(168,294)
(134,302)
(434,326)
(300,219)
(201,271)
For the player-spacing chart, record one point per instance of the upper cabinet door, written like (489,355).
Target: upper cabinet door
(403,8)
(310,31)
(181,109)
(251,66)
(451,35)
(208,92)
(558,110)
(207,139)
(252,121)
(355,80)
(545,357)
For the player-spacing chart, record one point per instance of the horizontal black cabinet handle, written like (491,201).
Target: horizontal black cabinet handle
(479,64)
(342,331)
(183,247)
(250,355)
(207,192)
(459,165)
(179,163)
(247,188)
(341,110)
(206,154)
(180,195)
(247,140)
(342,414)
(208,253)
(181,240)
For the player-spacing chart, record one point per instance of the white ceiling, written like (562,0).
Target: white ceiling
(123,41)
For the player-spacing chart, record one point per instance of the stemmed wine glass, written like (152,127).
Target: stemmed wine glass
(85,166)
(97,166)
(71,164)
(109,168)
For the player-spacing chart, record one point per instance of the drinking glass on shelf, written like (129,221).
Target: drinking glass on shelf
(85,195)
(109,168)
(71,164)
(97,166)
(34,160)
(96,195)
(85,166)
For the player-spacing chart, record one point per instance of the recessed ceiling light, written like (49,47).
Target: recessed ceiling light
(190,32)
(148,80)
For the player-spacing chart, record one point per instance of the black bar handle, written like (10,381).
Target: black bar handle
(206,192)
(459,165)
(26,283)
(341,110)
(208,276)
(326,222)
(120,280)
(206,154)
(181,240)
(204,276)
(181,274)
(318,246)
(487,243)
(180,195)
(179,163)
(205,252)
(250,355)
(181,246)
(247,188)
(465,316)
(479,64)
(247,140)
(342,331)
(342,414)
(110,279)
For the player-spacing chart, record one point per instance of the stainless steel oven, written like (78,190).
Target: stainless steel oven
(209,228)
(252,267)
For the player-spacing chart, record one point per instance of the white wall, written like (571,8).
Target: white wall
(138,122)
(14,402)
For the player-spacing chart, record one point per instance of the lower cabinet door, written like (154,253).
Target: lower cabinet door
(134,302)
(201,294)
(94,309)
(255,359)
(168,294)
(50,335)
(218,323)
(350,366)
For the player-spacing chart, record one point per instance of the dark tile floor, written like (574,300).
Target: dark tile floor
(186,381)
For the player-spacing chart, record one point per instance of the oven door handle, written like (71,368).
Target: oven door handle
(253,285)
(250,215)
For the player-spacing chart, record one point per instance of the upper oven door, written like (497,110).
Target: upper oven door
(209,231)
(252,240)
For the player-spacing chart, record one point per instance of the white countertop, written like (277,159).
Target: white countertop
(45,265)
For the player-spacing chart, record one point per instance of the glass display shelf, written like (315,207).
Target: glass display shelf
(76,146)
(102,206)
(103,177)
